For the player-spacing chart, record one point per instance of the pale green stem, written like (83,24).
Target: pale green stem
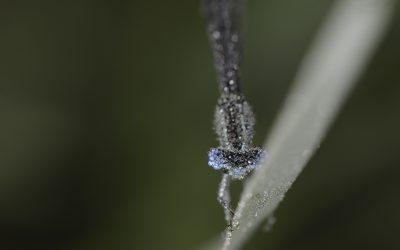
(337,57)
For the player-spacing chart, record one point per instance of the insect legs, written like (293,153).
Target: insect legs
(224,197)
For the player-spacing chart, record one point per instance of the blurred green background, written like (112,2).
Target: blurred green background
(106,114)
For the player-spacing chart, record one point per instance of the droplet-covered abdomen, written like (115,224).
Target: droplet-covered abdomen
(234,121)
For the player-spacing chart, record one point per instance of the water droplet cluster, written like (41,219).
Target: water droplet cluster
(223,31)
(234,122)
(236,163)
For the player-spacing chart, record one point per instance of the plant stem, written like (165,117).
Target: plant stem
(336,59)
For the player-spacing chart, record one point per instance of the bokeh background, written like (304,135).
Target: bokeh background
(106,116)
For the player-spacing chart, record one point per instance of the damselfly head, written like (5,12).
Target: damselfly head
(237,164)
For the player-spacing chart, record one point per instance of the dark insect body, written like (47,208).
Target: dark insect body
(234,120)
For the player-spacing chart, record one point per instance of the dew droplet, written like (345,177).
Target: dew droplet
(235,38)
(216,34)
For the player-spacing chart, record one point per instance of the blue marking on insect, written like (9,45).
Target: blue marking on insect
(216,159)
(236,163)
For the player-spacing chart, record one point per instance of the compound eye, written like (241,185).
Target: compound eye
(216,159)
(258,155)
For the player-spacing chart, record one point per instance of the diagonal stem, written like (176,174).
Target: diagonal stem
(337,57)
